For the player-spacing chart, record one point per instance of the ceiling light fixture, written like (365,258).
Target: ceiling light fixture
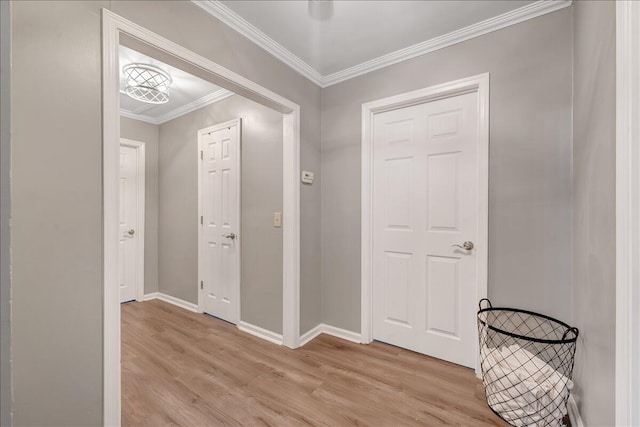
(147,83)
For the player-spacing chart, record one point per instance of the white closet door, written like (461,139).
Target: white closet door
(128,222)
(220,222)
(425,203)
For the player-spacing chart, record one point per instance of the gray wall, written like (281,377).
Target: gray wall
(594,246)
(147,133)
(529,164)
(56,210)
(56,113)
(261,275)
(5,209)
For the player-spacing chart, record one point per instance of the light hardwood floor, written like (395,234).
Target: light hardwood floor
(188,369)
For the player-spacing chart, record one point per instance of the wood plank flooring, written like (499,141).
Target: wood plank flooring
(188,369)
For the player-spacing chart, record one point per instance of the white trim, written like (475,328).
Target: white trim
(499,22)
(171,300)
(235,21)
(323,328)
(150,296)
(291,228)
(342,333)
(140,220)
(113,26)
(479,84)
(574,414)
(110,156)
(627,213)
(310,335)
(140,117)
(201,261)
(177,302)
(209,99)
(259,332)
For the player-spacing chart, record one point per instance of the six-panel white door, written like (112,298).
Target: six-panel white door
(425,203)
(128,223)
(220,220)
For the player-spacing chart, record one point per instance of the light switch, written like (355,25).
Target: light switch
(307,177)
(277,219)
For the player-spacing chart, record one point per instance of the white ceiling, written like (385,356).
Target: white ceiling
(333,40)
(186,93)
(360,31)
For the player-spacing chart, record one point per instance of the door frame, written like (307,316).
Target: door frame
(627,379)
(479,84)
(238,123)
(140,215)
(115,31)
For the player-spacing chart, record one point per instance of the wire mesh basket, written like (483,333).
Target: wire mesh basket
(526,360)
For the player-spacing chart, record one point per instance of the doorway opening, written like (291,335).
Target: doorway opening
(117,33)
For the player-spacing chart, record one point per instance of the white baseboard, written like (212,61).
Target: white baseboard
(308,336)
(171,300)
(149,297)
(574,414)
(330,330)
(342,333)
(260,332)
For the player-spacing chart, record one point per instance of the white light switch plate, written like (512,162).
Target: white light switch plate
(307,177)
(277,219)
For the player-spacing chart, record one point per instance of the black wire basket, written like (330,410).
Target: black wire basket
(526,360)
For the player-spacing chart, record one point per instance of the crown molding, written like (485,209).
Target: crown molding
(209,99)
(513,17)
(235,21)
(140,117)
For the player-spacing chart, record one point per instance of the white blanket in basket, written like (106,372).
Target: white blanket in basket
(524,389)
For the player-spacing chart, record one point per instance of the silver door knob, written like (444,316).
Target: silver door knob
(231,236)
(131,232)
(467,246)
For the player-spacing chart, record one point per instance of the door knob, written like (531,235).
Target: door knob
(467,246)
(231,236)
(131,232)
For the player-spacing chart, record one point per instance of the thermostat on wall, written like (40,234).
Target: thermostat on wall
(307,177)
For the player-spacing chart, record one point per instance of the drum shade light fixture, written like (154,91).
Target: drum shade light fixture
(147,83)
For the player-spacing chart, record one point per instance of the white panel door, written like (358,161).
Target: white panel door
(425,202)
(220,221)
(128,226)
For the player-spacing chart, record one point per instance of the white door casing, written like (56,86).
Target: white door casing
(219,221)
(425,188)
(131,221)
(627,363)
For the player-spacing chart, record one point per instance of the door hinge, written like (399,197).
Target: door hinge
(201,284)
(201,155)
(201,220)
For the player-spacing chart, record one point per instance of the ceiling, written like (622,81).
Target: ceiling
(332,40)
(186,93)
